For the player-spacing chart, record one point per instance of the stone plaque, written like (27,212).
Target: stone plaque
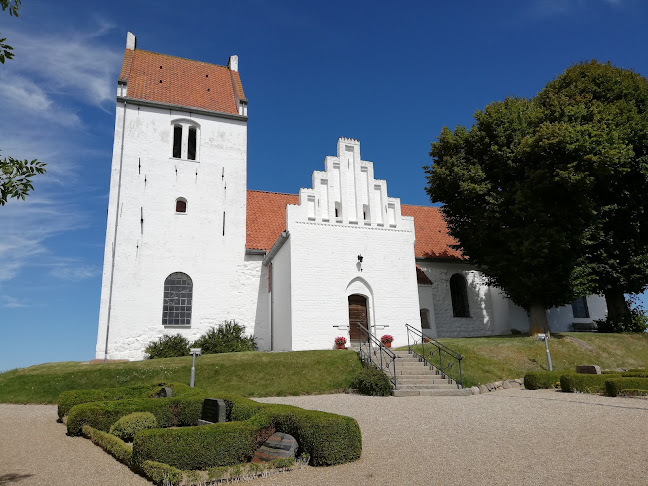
(278,446)
(588,370)
(213,410)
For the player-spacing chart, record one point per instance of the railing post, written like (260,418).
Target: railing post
(460,375)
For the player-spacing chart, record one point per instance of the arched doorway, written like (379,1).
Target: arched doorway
(358,317)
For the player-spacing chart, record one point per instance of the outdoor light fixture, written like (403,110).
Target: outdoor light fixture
(545,338)
(194,352)
(360,257)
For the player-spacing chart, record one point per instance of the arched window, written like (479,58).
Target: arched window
(459,295)
(425,319)
(181,205)
(176,305)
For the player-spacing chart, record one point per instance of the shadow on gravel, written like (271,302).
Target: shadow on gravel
(12,478)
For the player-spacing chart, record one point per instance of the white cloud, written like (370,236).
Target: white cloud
(73,271)
(9,302)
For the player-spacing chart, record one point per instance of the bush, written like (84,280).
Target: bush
(614,386)
(584,383)
(229,337)
(109,443)
(168,347)
(635,374)
(636,321)
(180,411)
(161,474)
(70,398)
(371,381)
(633,393)
(126,427)
(327,438)
(536,380)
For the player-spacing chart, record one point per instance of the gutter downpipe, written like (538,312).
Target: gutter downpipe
(114,246)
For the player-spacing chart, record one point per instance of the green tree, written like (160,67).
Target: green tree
(15,175)
(515,196)
(612,103)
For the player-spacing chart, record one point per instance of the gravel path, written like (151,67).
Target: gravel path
(515,437)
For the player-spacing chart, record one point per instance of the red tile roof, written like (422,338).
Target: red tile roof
(177,81)
(432,238)
(266,219)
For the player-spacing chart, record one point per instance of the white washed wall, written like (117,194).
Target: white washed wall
(167,242)
(281,298)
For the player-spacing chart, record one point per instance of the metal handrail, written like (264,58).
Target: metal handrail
(435,349)
(373,351)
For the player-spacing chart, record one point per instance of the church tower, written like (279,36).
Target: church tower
(175,235)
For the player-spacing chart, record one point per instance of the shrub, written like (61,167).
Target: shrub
(633,393)
(536,380)
(229,337)
(371,381)
(636,321)
(635,374)
(109,443)
(584,383)
(126,427)
(180,411)
(70,398)
(326,438)
(161,474)
(168,347)
(614,386)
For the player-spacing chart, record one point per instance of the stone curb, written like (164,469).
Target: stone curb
(498,385)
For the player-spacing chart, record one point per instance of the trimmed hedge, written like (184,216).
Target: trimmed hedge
(127,426)
(630,392)
(70,398)
(109,443)
(536,380)
(635,374)
(613,387)
(161,474)
(585,383)
(167,411)
(327,438)
(371,381)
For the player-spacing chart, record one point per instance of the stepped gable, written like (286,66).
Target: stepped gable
(178,81)
(266,220)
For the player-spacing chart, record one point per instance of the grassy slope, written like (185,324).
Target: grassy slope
(248,374)
(490,359)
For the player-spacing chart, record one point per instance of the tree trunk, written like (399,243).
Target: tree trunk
(616,305)
(539,323)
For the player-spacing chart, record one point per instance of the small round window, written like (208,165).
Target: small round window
(181,205)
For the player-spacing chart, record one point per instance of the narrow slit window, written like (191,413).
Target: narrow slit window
(579,308)
(191,147)
(177,141)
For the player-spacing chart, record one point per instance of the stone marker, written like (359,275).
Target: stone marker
(214,410)
(278,446)
(588,370)
(165,392)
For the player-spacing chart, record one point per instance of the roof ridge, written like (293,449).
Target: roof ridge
(273,192)
(183,58)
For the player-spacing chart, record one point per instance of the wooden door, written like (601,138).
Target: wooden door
(357,317)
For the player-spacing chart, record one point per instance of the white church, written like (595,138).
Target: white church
(188,246)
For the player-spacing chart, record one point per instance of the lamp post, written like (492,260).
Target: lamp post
(193,352)
(545,338)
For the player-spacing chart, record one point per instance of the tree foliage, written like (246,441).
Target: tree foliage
(15,175)
(613,104)
(548,196)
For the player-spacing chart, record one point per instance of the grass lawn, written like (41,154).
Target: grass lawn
(490,359)
(253,374)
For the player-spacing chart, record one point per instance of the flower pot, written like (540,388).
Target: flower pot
(387,345)
(340,346)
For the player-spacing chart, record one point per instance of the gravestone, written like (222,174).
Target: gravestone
(278,446)
(165,392)
(588,370)
(214,410)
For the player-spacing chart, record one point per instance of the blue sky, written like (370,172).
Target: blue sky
(390,74)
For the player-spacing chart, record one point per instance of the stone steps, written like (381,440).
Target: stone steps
(431,393)
(414,377)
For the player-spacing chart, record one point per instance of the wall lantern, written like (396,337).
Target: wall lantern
(360,257)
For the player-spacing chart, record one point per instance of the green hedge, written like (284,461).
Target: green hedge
(168,412)
(70,398)
(613,387)
(536,380)
(109,443)
(630,392)
(635,374)
(585,383)
(129,425)
(327,438)
(371,381)
(161,474)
